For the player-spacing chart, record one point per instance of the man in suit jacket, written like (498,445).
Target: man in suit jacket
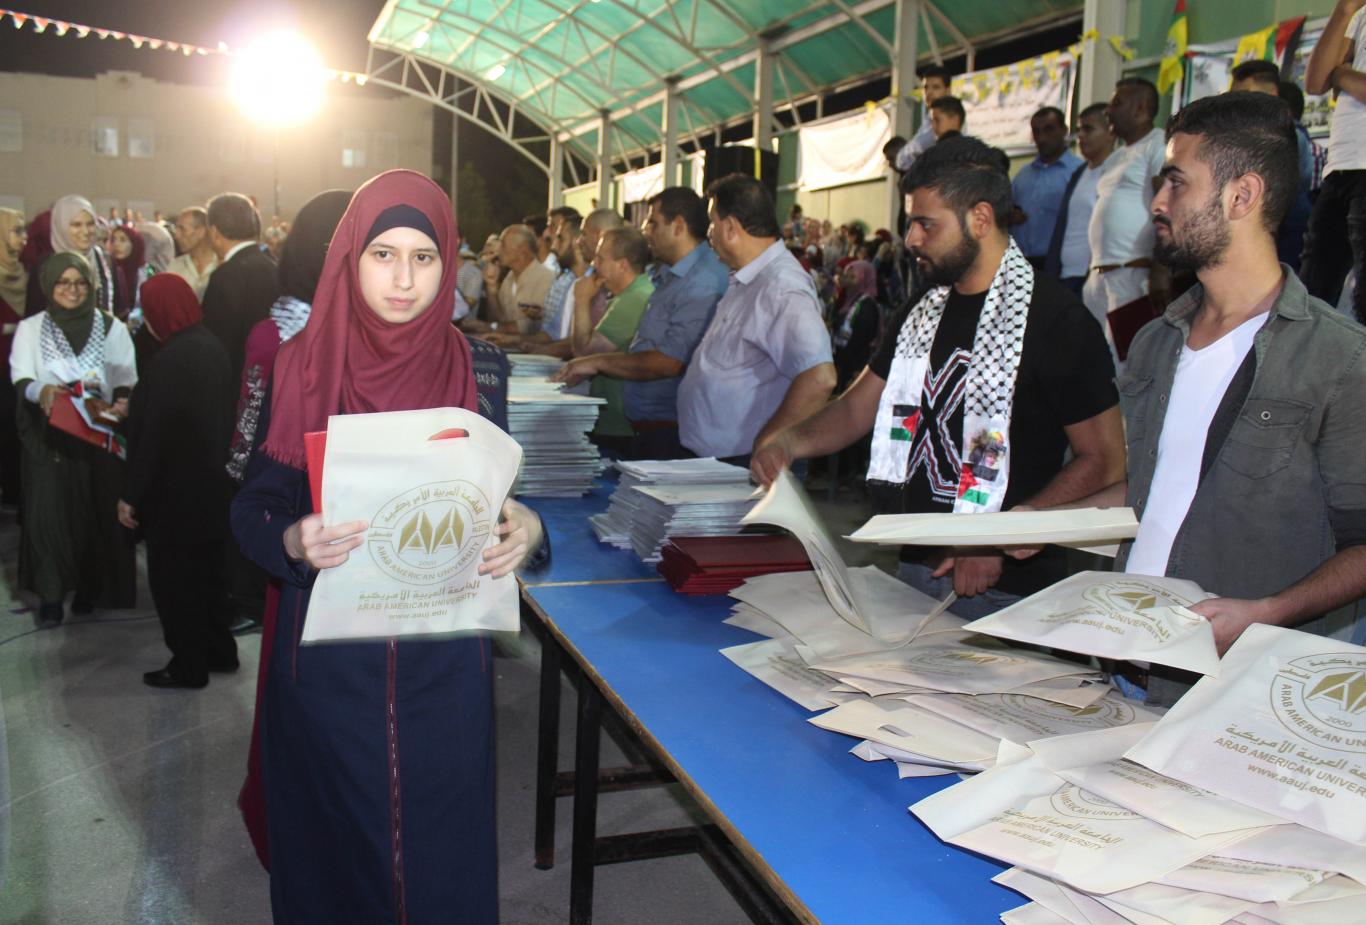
(243,288)
(240,293)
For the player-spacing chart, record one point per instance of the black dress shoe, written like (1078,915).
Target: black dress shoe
(164,677)
(81,607)
(50,615)
(224,667)
(244,625)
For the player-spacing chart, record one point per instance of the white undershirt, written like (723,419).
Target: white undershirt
(1202,378)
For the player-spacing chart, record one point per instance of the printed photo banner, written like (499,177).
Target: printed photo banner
(999,102)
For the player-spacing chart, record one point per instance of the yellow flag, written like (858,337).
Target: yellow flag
(1174,54)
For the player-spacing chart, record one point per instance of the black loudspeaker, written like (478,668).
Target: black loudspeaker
(728,159)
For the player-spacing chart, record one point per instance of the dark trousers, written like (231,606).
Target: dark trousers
(656,443)
(245,588)
(186,581)
(1336,239)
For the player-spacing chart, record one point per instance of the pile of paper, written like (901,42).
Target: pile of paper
(717,564)
(532,365)
(659,499)
(1245,803)
(905,676)
(553,427)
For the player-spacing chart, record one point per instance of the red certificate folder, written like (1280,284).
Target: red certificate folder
(716,564)
(1126,321)
(315,449)
(67,419)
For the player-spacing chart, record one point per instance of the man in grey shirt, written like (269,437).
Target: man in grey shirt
(1256,488)
(689,279)
(764,363)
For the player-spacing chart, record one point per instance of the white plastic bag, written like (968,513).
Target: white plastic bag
(431,506)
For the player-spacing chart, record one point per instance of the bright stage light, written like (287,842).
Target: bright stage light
(498,70)
(278,80)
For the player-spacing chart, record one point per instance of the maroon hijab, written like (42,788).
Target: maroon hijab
(169,305)
(349,360)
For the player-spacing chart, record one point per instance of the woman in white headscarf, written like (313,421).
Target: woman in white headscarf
(73,232)
(160,247)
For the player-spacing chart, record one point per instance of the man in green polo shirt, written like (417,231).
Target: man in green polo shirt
(619,265)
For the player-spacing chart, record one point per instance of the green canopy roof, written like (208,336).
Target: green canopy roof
(560,63)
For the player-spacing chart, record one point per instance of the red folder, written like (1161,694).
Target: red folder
(67,419)
(716,564)
(1126,321)
(315,449)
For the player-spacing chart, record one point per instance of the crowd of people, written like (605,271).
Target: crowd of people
(979,356)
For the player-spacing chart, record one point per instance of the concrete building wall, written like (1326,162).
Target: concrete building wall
(125,140)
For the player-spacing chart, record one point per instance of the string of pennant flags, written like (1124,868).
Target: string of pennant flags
(61,27)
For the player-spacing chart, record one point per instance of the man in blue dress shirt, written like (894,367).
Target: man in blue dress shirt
(689,280)
(1039,186)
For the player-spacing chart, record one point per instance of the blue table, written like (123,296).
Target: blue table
(829,834)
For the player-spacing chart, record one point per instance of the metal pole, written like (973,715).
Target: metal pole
(455,164)
(763,98)
(556,191)
(1101,65)
(275,168)
(903,82)
(670,132)
(604,159)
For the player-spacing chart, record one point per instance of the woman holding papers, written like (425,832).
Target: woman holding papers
(176,491)
(377,757)
(71,540)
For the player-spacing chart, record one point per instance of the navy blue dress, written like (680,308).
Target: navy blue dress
(377,757)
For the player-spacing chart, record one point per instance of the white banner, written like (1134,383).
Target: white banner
(640,185)
(842,150)
(1001,101)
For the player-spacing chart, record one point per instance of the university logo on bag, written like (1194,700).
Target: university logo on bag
(1071,800)
(430,534)
(1128,596)
(1103,714)
(1322,699)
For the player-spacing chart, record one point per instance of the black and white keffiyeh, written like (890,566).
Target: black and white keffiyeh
(990,391)
(86,367)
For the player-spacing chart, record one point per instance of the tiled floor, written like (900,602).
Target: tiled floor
(120,806)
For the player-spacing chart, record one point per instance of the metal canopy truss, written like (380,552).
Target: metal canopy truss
(530,70)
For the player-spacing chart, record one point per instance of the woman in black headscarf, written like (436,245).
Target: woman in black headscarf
(301,263)
(71,540)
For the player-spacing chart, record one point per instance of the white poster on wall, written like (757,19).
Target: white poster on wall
(999,102)
(640,185)
(842,150)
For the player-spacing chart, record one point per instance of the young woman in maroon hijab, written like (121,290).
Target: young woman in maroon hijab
(176,492)
(129,251)
(376,757)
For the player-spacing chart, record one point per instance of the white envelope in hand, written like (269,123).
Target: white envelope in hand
(431,506)
(1111,615)
(1001,528)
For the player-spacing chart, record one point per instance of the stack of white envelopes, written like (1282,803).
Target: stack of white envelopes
(659,499)
(1245,803)
(553,428)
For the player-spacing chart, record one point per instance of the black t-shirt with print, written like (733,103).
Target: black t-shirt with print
(1065,377)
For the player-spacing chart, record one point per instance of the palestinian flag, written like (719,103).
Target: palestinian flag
(1174,55)
(1276,43)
